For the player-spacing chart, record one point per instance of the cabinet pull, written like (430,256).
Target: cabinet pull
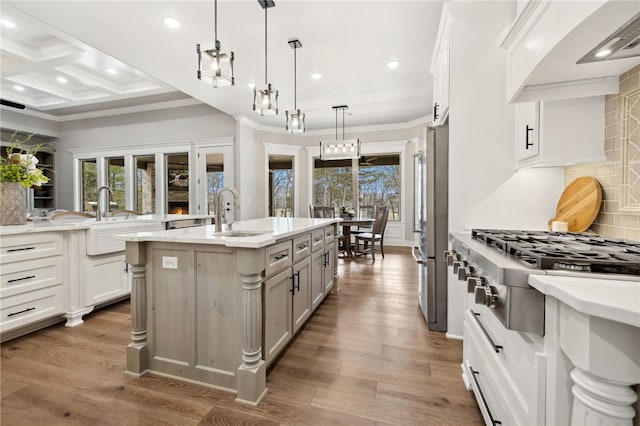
(280,256)
(326,259)
(21,279)
(292,290)
(435,111)
(126,267)
(495,347)
(303,246)
(527,144)
(484,401)
(21,249)
(21,312)
(298,285)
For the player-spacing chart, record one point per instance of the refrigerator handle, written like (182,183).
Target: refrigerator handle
(420,259)
(418,170)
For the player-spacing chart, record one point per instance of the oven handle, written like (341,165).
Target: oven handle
(495,347)
(484,401)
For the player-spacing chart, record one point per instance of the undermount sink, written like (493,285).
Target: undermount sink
(240,233)
(100,235)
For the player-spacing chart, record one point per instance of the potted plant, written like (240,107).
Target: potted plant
(18,171)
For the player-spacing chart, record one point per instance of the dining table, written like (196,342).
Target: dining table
(346,231)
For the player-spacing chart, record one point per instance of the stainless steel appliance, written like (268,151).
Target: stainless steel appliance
(431,222)
(496,264)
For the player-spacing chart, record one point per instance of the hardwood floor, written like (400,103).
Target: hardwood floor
(364,358)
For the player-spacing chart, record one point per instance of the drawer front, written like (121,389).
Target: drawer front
(301,247)
(503,353)
(27,308)
(279,256)
(15,248)
(329,234)
(20,277)
(317,240)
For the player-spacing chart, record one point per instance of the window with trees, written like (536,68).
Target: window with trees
(145,183)
(89,170)
(333,183)
(281,185)
(116,178)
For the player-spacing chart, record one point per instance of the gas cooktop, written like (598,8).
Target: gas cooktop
(578,252)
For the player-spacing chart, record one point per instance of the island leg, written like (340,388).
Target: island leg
(137,349)
(252,374)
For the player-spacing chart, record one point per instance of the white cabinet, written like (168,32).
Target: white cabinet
(558,133)
(32,278)
(440,69)
(106,278)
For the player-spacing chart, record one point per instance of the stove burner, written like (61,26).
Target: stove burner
(566,251)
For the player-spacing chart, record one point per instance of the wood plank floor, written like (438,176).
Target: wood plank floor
(364,358)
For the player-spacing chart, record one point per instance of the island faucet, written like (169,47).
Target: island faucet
(220,210)
(99,198)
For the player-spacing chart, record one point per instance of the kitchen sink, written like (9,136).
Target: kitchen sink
(100,235)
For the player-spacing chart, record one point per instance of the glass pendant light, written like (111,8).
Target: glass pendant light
(215,66)
(295,118)
(265,98)
(343,149)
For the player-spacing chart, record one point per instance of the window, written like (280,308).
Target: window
(333,183)
(215,179)
(145,183)
(115,179)
(379,182)
(177,183)
(376,177)
(89,170)
(281,186)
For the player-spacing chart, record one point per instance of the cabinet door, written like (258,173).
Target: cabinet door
(301,293)
(317,279)
(278,328)
(329,262)
(106,278)
(527,130)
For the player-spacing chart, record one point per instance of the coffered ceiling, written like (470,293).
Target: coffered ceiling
(60,52)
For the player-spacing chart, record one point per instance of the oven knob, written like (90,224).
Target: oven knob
(472,282)
(451,256)
(459,264)
(464,273)
(486,295)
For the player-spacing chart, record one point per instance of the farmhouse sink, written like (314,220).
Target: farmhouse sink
(100,235)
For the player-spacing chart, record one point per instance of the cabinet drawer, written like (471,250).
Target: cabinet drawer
(27,308)
(317,240)
(20,277)
(279,256)
(30,246)
(301,247)
(329,234)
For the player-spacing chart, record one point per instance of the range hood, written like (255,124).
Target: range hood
(623,43)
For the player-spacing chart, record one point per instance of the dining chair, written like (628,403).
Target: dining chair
(322,211)
(369,239)
(365,212)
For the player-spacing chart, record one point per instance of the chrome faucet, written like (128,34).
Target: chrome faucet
(99,205)
(220,210)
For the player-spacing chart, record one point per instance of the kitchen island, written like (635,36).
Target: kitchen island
(217,308)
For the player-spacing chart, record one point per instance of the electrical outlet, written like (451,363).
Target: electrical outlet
(169,262)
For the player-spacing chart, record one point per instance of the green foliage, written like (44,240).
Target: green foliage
(20,162)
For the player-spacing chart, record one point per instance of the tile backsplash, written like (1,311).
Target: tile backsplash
(619,175)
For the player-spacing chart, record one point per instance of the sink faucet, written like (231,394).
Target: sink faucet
(99,205)
(220,210)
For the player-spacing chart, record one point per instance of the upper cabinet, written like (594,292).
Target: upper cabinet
(549,37)
(558,133)
(440,69)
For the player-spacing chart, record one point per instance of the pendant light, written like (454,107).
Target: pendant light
(295,118)
(265,98)
(343,149)
(215,66)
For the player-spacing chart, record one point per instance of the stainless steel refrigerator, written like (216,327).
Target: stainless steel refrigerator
(431,199)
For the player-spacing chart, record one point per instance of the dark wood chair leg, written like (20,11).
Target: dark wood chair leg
(382,247)
(373,251)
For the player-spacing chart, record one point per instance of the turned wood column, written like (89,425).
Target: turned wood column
(251,375)
(137,349)
(598,401)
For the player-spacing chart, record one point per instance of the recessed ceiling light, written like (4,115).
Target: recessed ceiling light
(316,76)
(18,88)
(602,53)
(393,64)
(172,23)
(6,23)
(251,85)
(61,79)
(112,71)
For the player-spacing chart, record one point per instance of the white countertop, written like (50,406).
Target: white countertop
(270,229)
(614,300)
(75,223)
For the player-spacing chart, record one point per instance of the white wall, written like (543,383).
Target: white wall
(484,188)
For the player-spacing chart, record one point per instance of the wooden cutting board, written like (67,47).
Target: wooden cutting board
(579,204)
